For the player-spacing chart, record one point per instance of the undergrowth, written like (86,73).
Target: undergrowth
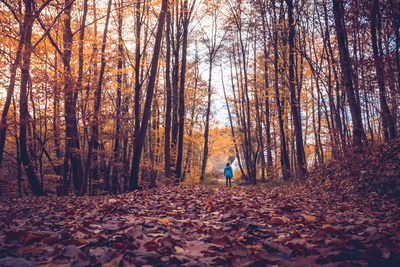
(373,173)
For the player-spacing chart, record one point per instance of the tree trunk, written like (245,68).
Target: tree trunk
(181,110)
(285,163)
(347,74)
(116,150)
(23,106)
(207,123)
(175,82)
(138,85)
(167,142)
(10,92)
(389,130)
(56,119)
(266,80)
(138,143)
(258,118)
(72,138)
(231,121)
(295,102)
(97,102)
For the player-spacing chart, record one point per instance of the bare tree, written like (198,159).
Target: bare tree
(138,143)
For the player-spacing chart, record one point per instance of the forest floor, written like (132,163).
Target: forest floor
(199,225)
(345,214)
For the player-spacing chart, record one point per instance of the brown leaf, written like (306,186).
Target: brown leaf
(151,246)
(276,221)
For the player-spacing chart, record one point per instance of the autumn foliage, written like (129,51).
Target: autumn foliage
(117,118)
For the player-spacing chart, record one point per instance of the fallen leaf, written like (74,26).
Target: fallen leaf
(277,221)
(309,218)
(164,220)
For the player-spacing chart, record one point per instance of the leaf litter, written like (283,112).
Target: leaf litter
(199,225)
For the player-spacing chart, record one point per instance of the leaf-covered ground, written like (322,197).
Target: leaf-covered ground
(202,226)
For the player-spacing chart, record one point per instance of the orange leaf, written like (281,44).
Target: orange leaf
(164,220)
(309,218)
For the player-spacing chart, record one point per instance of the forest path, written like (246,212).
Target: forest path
(222,181)
(199,225)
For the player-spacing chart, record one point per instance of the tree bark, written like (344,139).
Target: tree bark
(118,100)
(207,123)
(138,85)
(175,80)
(181,110)
(10,92)
(23,106)
(97,103)
(230,118)
(72,146)
(347,74)
(266,80)
(295,101)
(258,107)
(389,130)
(285,163)
(167,142)
(138,143)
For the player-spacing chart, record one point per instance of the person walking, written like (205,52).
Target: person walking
(228,174)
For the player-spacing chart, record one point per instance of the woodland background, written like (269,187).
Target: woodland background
(112,96)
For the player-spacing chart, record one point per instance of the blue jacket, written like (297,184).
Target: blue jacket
(228,171)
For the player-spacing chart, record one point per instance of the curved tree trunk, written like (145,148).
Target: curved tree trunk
(10,91)
(23,106)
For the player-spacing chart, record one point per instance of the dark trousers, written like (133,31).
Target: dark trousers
(228,179)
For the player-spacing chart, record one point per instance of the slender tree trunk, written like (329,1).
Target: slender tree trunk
(395,13)
(116,150)
(167,145)
(347,74)
(258,117)
(231,120)
(80,49)
(331,59)
(181,109)
(189,153)
(250,158)
(56,115)
(285,163)
(207,123)
(266,80)
(18,159)
(138,143)
(72,138)
(389,130)
(23,105)
(97,102)
(138,85)
(175,81)
(317,153)
(10,92)
(295,102)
